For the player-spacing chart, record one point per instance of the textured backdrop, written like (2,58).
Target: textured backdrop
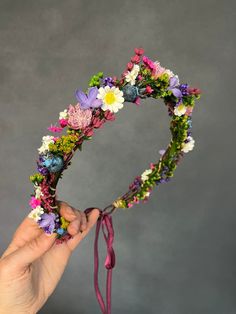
(177,253)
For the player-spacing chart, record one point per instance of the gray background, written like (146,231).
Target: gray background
(175,254)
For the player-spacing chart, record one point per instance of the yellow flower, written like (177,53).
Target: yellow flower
(64,223)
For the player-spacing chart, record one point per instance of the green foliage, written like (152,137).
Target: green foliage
(95,79)
(36,178)
(189,100)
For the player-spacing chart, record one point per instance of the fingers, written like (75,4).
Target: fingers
(20,259)
(92,219)
(77,218)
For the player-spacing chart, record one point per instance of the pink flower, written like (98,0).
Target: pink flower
(130,205)
(137,101)
(136,200)
(63,122)
(96,112)
(189,110)
(129,66)
(123,75)
(34,202)
(97,122)
(149,63)
(109,115)
(149,90)
(140,77)
(152,166)
(79,118)
(88,131)
(139,51)
(54,128)
(158,70)
(194,91)
(155,67)
(135,59)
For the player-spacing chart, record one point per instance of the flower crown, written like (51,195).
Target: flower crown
(104,97)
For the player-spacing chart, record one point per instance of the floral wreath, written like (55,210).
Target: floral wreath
(104,97)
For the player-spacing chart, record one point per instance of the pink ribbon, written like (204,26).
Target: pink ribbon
(106,220)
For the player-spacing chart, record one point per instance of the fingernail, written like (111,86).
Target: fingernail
(50,234)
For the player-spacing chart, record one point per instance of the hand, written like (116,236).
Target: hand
(33,263)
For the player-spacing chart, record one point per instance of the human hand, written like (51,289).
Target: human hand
(33,263)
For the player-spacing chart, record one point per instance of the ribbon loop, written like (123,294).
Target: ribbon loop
(110,258)
(105,220)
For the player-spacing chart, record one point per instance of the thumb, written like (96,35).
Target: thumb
(31,251)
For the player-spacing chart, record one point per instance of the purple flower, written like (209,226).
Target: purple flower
(47,222)
(174,82)
(108,81)
(90,100)
(136,183)
(184,89)
(162,151)
(42,170)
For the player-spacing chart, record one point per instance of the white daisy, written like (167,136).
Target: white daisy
(36,213)
(46,140)
(131,75)
(180,110)
(63,114)
(186,147)
(111,97)
(144,175)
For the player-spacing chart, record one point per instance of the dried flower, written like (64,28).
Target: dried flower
(79,118)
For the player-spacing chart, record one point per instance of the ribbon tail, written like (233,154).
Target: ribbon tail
(106,221)
(108,290)
(96,267)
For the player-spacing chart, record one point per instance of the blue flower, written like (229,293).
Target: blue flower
(130,92)
(51,163)
(60,231)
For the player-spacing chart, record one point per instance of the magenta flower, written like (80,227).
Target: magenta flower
(79,118)
(63,122)
(149,63)
(34,202)
(54,128)
(148,89)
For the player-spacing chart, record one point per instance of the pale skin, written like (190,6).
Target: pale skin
(33,264)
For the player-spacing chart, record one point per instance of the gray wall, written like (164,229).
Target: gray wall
(175,254)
